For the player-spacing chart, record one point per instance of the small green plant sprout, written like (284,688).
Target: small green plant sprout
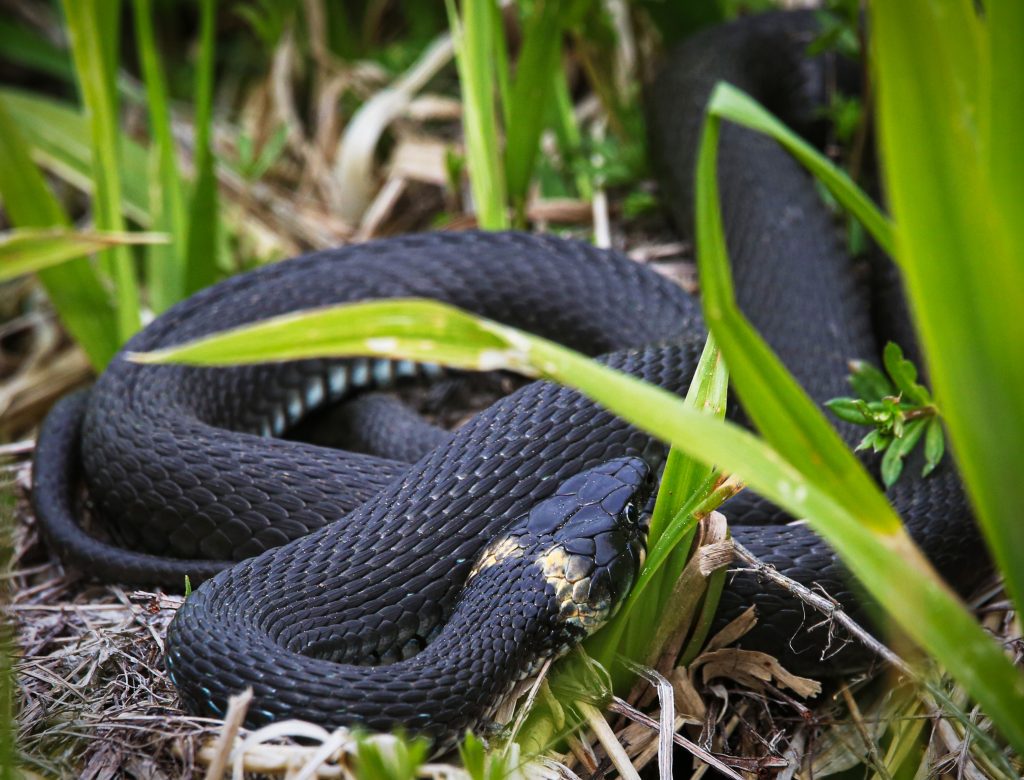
(254,161)
(481,764)
(389,757)
(898,408)
(839,21)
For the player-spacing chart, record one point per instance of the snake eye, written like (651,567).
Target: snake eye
(631,513)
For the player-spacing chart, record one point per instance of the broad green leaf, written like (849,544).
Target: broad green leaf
(28,250)
(1003,105)
(792,424)
(373,328)
(948,78)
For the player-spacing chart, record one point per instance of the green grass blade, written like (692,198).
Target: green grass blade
(29,48)
(709,394)
(530,96)
(959,215)
(166,264)
(74,288)
(779,407)
(502,70)
(28,250)
(371,328)
(89,28)
(685,478)
(570,141)
(58,136)
(727,102)
(879,552)
(1005,105)
(204,219)
(685,484)
(473,36)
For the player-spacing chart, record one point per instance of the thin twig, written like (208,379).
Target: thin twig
(831,609)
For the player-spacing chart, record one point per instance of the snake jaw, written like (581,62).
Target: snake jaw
(584,544)
(583,595)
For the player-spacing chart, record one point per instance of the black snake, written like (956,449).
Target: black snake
(362,620)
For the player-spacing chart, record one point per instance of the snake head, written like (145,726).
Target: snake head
(585,542)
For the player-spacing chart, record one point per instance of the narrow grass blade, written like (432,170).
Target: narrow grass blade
(530,96)
(89,28)
(779,407)
(877,550)
(686,483)
(570,141)
(74,288)
(58,136)
(31,49)
(372,328)
(204,218)
(502,69)
(959,212)
(27,250)
(473,38)
(707,393)
(166,264)
(727,102)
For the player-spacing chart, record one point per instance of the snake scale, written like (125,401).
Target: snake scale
(335,579)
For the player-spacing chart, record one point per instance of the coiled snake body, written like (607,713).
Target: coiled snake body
(179,459)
